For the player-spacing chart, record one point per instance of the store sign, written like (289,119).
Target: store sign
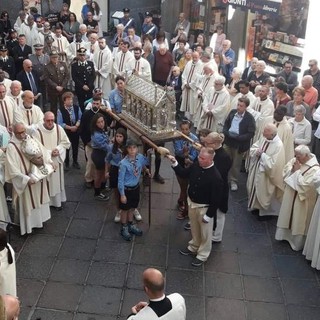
(262,6)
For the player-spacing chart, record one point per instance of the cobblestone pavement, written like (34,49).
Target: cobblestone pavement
(78,268)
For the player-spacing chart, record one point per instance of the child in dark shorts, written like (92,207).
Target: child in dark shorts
(130,170)
(113,161)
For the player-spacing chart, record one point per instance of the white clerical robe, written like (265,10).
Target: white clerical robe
(312,246)
(121,63)
(7,107)
(32,34)
(31,202)
(7,83)
(4,212)
(216,106)
(298,203)
(62,44)
(102,60)
(266,109)
(204,83)
(189,86)
(284,133)
(178,311)
(91,49)
(265,183)
(8,277)
(142,66)
(42,36)
(55,139)
(17,99)
(72,48)
(249,95)
(31,118)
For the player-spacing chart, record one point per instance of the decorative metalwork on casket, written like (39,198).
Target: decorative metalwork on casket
(150,108)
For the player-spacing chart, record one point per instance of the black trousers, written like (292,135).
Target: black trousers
(74,140)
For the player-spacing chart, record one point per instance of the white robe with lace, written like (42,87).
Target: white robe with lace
(31,202)
(55,139)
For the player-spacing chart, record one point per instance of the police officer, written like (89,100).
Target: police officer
(56,75)
(127,21)
(148,27)
(83,75)
(7,62)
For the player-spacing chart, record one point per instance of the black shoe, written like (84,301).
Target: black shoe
(58,208)
(187,226)
(255,211)
(76,165)
(197,263)
(264,218)
(187,252)
(158,178)
(88,184)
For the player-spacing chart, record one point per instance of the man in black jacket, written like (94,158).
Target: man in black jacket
(238,129)
(83,75)
(204,194)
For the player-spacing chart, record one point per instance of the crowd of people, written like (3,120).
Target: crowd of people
(61,83)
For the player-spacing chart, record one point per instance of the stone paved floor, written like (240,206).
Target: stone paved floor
(78,268)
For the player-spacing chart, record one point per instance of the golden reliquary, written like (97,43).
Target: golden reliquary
(150,108)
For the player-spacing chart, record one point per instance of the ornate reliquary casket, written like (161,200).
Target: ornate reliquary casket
(149,108)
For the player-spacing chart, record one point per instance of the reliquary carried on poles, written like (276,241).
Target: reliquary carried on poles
(149,108)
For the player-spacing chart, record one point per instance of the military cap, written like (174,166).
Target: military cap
(148,14)
(3,47)
(82,51)
(126,10)
(54,53)
(38,46)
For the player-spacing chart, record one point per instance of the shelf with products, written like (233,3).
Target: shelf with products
(282,48)
(277,59)
(218,17)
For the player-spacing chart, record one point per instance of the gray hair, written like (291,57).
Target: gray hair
(220,79)
(272,128)
(303,150)
(300,109)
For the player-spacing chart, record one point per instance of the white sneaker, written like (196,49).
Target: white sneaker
(233,186)
(117,217)
(137,215)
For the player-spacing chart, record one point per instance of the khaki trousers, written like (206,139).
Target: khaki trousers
(201,233)
(90,168)
(218,232)
(236,158)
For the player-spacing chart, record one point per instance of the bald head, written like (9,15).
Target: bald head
(12,306)
(153,282)
(307,81)
(195,56)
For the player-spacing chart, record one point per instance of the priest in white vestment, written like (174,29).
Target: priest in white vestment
(312,246)
(4,212)
(29,114)
(16,92)
(244,88)
(205,81)
(189,85)
(7,107)
(284,130)
(30,198)
(61,43)
(139,65)
(55,140)
(215,106)
(299,198)
(102,60)
(8,278)
(122,59)
(265,183)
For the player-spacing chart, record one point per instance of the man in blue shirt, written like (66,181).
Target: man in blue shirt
(228,56)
